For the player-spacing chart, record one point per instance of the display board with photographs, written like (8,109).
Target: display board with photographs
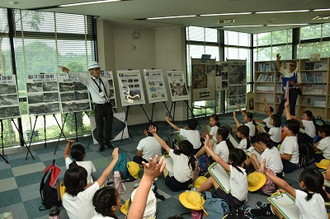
(177,85)
(42,94)
(130,87)
(74,95)
(237,82)
(108,76)
(155,85)
(203,79)
(9,104)
(222,77)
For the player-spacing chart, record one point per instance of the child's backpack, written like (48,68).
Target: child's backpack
(215,207)
(49,187)
(306,149)
(121,166)
(318,122)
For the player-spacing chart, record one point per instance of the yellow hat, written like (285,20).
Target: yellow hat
(200,181)
(256,180)
(133,169)
(124,208)
(192,200)
(323,164)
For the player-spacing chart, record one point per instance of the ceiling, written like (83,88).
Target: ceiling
(134,12)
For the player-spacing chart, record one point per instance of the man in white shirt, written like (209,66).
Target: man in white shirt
(289,75)
(100,93)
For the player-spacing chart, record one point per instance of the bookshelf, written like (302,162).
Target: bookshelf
(315,82)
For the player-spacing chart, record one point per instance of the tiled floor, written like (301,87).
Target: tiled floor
(19,180)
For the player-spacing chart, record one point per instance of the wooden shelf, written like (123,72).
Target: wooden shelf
(320,70)
(264,82)
(313,94)
(310,106)
(313,82)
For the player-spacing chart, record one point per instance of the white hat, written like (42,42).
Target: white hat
(93,64)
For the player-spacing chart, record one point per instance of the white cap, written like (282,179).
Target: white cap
(93,64)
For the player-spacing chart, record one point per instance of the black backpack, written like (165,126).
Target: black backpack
(318,122)
(49,195)
(306,149)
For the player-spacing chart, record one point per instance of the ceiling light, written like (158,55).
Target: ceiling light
(248,25)
(280,12)
(225,14)
(88,3)
(280,25)
(322,9)
(170,17)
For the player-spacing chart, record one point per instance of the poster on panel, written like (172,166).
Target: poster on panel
(74,95)
(130,87)
(203,81)
(9,104)
(155,85)
(108,76)
(42,94)
(177,85)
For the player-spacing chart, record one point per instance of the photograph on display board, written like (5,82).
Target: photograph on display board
(9,104)
(224,85)
(177,85)
(42,94)
(241,90)
(155,85)
(74,95)
(108,75)
(237,74)
(232,101)
(199,76)
(130,87)
(232,91)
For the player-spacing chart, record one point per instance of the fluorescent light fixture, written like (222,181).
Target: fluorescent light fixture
(225,14)
(248,25)
(280,25)
(88,3)
(171,17)
(280,12)
(322,9)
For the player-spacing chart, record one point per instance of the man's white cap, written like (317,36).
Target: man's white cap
(93,64)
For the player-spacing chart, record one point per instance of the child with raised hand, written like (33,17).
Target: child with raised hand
(184,161)
(151,171)
(237,181)
(243,134)
(222,148)
(190,133)
(106,202)
(212,127)
(269,112)
(78,155)
(307,121)
(248,118)
(309,200)
(289,148)
(148,147)
(77,200)
(275,132)
(324,144)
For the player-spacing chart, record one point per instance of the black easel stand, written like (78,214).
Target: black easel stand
(61,129)
(33,129)
(2,145)
(22,140)
(126,117)
(173,107)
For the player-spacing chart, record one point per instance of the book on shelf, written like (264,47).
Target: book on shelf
(265,88)
(309,66)
(316,65)
(313,77)
(313,89)
(266,66)
(265,78)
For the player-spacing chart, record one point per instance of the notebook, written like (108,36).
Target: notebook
(220,175)
(233,141)
(285,205)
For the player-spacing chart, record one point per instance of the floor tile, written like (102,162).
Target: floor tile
(9,197)
(34,204)
(6,173)
(29,179)
(22,162)
(18,210)
(7,184)
(29,192)
(30,168)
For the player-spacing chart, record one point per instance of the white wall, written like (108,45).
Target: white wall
(156,48)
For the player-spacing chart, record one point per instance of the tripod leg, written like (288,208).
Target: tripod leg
(2,144)
(45,136)
(61,129)
(22,139)
(28,147)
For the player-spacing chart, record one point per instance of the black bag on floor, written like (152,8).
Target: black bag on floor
(49,187)
(306,149)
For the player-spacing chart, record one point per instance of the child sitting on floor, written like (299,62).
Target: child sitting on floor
(248,118)
(78,155)
(324,144)
(275,132)
(212,127)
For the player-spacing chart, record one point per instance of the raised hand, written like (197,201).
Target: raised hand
(153,169)
(152,129)
(115,153)
(278,57)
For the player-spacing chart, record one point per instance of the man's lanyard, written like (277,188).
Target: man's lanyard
(98,86)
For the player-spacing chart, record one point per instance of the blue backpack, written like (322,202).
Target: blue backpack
(121,166)
(215,207)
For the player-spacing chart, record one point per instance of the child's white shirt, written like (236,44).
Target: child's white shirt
(275,134)
(252,128)
(324,146)
(238,183)
(273,159)
(267,121)
(290,146)
(309,128)
(193,136)
(222,150)
(314,208)
(88,165)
